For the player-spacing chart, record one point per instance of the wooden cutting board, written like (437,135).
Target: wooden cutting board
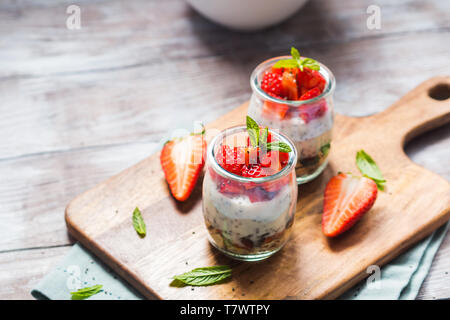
(310,266)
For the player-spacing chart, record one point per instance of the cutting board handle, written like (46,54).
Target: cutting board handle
(422,109)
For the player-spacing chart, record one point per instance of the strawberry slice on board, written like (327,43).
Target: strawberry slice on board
(346,199)
(182,160)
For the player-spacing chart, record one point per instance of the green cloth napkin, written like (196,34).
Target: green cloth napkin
(400,279)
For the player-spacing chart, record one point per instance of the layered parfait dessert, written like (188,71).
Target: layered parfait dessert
(249,191)
(295,95)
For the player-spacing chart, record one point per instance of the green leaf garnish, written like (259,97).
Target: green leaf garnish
(297,62)
(204,276)
(138,223)
(264,133)
(325,149)
(86,292)
(286,63)
(278,146)
(253,131)
(369,168)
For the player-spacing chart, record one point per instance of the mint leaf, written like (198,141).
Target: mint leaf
(286,63)
(138,223)
(297,62)
(204,276)
(86,292)
(253,131)
(278,146)
(310,63)
(264,133)
(369,168)
(325,149)
(295,54)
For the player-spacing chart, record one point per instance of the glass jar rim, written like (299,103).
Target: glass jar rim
(263,66)
(211,157)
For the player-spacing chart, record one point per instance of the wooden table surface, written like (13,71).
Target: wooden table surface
(78,106)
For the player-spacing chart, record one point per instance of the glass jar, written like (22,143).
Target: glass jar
(248,218)
(308,123)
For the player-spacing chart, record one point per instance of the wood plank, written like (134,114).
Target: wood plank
(35,190)
(127,64)
(81,110)
(317,267)
(20,271)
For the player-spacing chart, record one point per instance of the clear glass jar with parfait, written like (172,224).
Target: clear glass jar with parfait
(299,103)
(249,194)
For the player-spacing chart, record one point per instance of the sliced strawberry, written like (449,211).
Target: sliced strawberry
(313,111)
(253,171)
(289,88)
(312,78)
(272,109)
(346,199)
(231,159)
(310,94)
(182,160)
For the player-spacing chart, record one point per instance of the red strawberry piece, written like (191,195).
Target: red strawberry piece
(289,88)
(273,109)
(313,111)
(310,94)
(271,83)
(182,160)
(231,159)
(312,78)
(346,199)
(253,171)
(284,158)
(229,186)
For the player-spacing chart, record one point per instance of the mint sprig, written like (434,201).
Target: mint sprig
(86,292)
(278,146)
(253,131)
(369,168)
(204,276)
(297,62)
(138,223)
(258,138)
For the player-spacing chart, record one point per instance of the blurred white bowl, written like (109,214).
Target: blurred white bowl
(247,15)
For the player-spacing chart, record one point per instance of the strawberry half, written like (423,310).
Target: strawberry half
(346,199)
(182,160)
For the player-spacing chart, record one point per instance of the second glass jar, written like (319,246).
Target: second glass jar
(308,123)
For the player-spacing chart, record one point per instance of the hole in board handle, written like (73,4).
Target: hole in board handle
(440,92)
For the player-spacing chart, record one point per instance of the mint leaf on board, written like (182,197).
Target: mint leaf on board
(278,146)
(204,276)
(369,168)
(253,131)
(86,292)
(138,223)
